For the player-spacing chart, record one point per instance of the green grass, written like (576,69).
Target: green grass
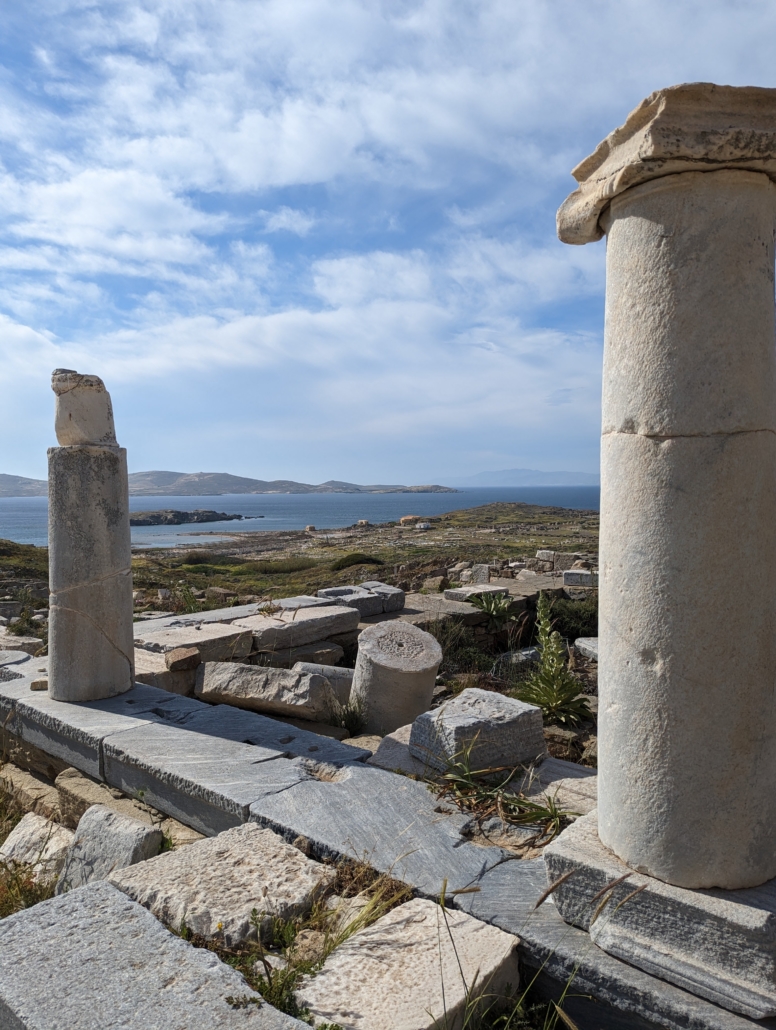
(24,561)
(493,792)
(280,938)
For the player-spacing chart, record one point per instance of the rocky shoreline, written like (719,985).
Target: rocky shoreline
(170,517)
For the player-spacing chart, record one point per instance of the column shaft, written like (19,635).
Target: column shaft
(687,678)
(90,625)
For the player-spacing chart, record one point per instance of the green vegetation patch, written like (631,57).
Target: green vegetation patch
(355,558)
(24,560)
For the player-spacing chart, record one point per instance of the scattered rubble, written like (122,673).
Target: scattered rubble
(483,729)
(39,843)
(213,886)
(104,841)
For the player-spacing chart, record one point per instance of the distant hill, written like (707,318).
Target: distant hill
(199,484)
(529,477)
(184,484)
(18,486)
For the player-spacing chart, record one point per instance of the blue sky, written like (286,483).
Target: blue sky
(315,239)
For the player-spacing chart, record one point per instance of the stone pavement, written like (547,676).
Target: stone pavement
(189,761)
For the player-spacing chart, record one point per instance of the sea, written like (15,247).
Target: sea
(25,519)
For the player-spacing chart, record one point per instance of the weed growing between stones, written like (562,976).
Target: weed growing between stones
(484,1011)
(351,716)
(552,687)
(298,947)
(461,652)
(501,613)
(491,792)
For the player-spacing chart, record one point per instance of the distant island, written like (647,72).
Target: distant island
(528,477)
(207,484)
(171,517)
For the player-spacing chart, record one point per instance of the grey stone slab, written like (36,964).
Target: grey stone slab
(464,593)
(365,601)
(204,781)
(262,731)
(507,898)
(225,615)
(93,959)
(580,578)
(719,944)
(320,652)
(301,695)
(423,609)
(294,628)
(216,642)
(14,657)
(393,597)
(73,732)
(393,754)
(495,731)
(587,646)
(105,841)
(12,689)
(395,824)
(341,680)
(305,601)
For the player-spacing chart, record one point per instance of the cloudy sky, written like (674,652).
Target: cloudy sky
(315,239)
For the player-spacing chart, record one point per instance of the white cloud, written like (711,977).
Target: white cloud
(163,167)
(286,218)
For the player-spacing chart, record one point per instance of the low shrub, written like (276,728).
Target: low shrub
(354,558)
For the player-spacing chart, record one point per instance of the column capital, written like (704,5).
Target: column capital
(693,127)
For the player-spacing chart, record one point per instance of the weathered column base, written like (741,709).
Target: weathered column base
(717,944)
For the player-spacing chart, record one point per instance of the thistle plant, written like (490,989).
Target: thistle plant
(552,687)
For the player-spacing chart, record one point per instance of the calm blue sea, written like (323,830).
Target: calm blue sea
(24,519)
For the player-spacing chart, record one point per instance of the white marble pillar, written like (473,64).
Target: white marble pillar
(687,673)
(91,651)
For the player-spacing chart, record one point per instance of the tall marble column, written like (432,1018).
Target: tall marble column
(687,675)
(91,651)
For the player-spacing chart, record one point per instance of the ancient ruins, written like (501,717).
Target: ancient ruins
(194,780)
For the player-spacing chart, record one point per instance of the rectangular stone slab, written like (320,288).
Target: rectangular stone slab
(223,615)
(109,963)
(464,593)
(393,597)
(205,782)
(73,732)
(214,641)
(415,968)
(302,695)
(393,823)
(150,668)
(214,884)
(262,731)
(294,628)
(719,944)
